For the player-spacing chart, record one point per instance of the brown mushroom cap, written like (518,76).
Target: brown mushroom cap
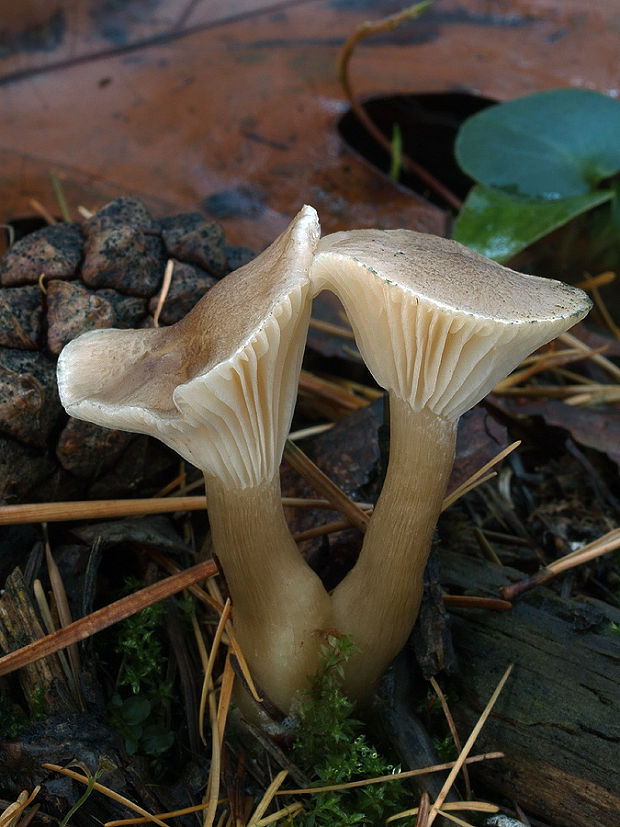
(220,385)
(436,323)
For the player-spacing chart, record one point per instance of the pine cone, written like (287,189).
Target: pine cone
(67,278)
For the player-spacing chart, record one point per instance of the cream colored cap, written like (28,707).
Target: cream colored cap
(436,323)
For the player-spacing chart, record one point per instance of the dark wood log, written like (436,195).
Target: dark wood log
(43,682)
(557,718)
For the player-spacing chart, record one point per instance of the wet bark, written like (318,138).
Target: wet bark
(556,720)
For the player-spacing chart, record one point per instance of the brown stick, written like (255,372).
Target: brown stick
(106,509)
(363,31)
(304,466)
(107,616)
(603,545)
(425,805)
(471,601)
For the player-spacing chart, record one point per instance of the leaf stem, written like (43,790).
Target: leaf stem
(365,30)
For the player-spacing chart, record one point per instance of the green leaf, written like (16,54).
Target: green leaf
(498,226)
(136,710)
(553,144)
(156,740)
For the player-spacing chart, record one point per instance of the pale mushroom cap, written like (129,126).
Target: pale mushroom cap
(436,323)
(220,385)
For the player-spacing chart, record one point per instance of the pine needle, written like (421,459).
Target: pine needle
(332,329)
(13,810)
(111,509)
(120,799)
(265,801)
(602,545)
(59,194)
(64,616)
(50,627)
(395,776)
(325,486)
(604,311)
(38,207)
(163,293)
(226,690)
(478,477)
(363,31)
(612,369)
(285,812)
(213,787)
(453,731)
(451,806)
(207,683)
(466,749)
(126,822)
(105,617)
(600,280)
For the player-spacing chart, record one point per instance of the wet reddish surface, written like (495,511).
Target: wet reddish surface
(231,107)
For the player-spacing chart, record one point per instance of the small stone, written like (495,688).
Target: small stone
(29,403)
(142,470)
(238,256)
(189,284)
(21,469)
(53,251)
(124,259)
(130,311)
(125,211)
(192,238)
(71,310)
(21,312)
(87,450)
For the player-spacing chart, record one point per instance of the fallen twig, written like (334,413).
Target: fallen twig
(324,485)
(466,749)
(603,545)
(366,30)
(110,509)
(106,616)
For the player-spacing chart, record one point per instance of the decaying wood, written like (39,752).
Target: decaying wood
(40,646)
(557,719)
(19,625)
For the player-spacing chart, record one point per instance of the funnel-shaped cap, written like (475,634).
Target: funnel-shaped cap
(436,323)
(219,387)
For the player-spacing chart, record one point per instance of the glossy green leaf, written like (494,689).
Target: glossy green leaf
(498,226)
(135,710)
(156,740)
(553,144)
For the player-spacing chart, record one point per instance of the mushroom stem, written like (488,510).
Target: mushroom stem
(279,603)
(378,601)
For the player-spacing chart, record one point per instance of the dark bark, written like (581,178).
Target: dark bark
(557,718)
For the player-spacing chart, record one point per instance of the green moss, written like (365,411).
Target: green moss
(37,704)
(139,706)
(12,718)
(332,748)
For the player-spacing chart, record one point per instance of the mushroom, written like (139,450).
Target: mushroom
(437,325)
(219,387)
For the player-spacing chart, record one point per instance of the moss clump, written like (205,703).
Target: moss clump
(332,748)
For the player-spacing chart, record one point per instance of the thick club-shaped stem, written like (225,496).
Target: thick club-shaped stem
(279,603)
(378,601)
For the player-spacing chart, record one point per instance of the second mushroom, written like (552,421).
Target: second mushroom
(437,325)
